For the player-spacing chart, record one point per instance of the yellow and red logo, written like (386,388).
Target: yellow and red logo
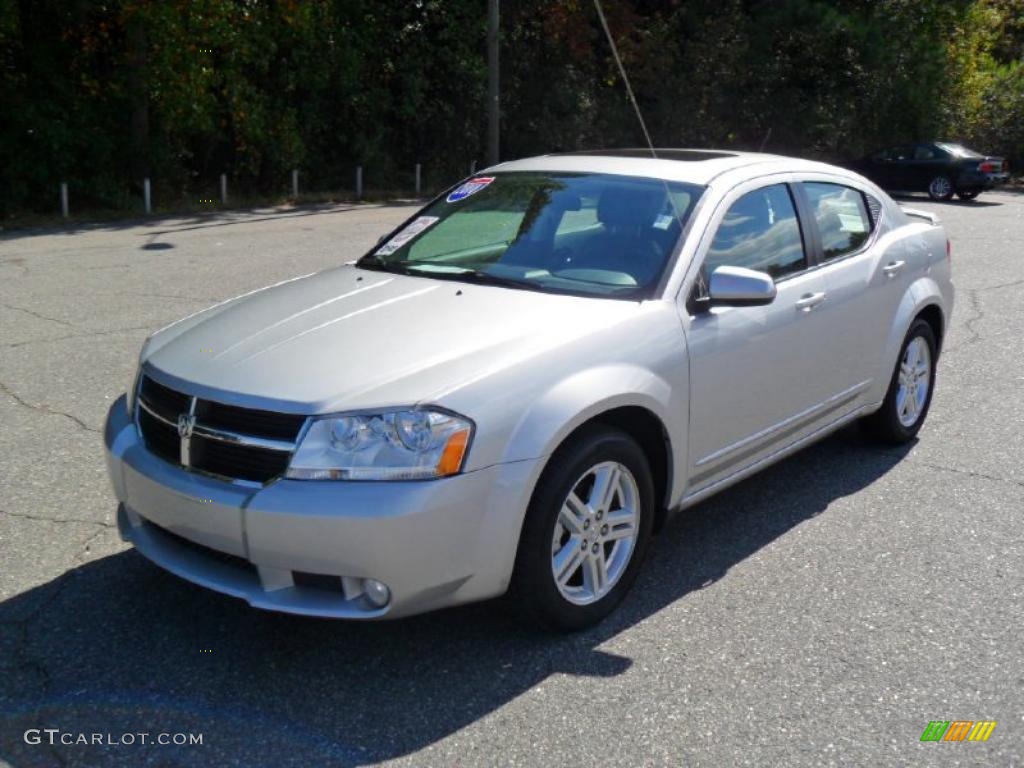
(958,730)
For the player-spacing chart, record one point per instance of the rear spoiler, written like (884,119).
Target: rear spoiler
(931,218)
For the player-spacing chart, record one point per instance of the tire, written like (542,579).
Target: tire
(592,455)
(903,411)
(940,188)
(968,194)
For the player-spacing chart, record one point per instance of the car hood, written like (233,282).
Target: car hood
(351,338)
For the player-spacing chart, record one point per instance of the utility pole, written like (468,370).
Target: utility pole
(493,111)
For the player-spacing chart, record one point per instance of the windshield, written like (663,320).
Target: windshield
(589,234)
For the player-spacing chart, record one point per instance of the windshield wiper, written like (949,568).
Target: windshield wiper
(380,264)
(476,276)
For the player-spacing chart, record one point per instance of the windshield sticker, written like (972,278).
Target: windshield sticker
(664,221)
(471,187)
(414,228)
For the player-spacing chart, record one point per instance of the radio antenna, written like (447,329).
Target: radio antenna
(625,79)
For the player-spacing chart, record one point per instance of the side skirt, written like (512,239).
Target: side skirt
(741,474)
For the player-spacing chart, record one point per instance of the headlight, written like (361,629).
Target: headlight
(134,383)
(392,445)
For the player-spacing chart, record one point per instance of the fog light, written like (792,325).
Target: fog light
(376,592)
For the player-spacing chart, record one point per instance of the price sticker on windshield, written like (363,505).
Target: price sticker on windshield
(470,187)
(415,227)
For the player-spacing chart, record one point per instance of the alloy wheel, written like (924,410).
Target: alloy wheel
(914,380)
(940,188)
(595,533)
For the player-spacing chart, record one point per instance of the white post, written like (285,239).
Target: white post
(472,168)
(295,183)
(418,179)
(359,182)
(223,188)
(64,199)
(145,195)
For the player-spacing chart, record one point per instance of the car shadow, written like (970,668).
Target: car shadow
(183,222)
(119,646)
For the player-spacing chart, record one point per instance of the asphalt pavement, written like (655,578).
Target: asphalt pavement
(820,613)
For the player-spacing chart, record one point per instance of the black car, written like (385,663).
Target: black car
(938,168)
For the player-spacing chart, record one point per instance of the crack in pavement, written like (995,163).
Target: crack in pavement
(909,459)
(17,344)
(20,650)
(970,473)
(979,314)
(46,409)
(974,300)
(173,296)
(27,516)
(37,314)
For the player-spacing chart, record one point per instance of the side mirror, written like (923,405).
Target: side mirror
(740,287)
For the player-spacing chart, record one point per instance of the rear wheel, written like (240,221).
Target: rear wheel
(910,390)
(940,188)
(968,194)
(586,530)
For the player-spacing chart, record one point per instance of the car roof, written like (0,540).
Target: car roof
(694,166)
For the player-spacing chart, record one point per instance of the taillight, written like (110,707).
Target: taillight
(988,167)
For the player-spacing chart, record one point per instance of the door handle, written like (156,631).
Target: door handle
(809,301)
(893,268)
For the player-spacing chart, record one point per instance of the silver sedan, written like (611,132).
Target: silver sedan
(515,388)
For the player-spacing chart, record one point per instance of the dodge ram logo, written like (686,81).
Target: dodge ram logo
(186,421)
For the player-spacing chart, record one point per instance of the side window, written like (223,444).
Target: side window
(841,215)
(760,231)
(925,152)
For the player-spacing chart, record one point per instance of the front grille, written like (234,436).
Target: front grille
(280,426)
(164,400)
(161,438)
(226,440)
(241,461)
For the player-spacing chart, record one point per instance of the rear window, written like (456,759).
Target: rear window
(842,217)
(959,150)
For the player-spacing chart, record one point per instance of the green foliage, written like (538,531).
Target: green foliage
(101,94)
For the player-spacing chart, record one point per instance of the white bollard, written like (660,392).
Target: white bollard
(223,189)
(295,183)
(472,168)
(145,195)
(359,182)
(64,199)
(418,179)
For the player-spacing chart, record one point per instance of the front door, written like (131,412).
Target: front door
(760,377)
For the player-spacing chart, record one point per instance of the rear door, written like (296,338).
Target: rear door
(760,377)
(929,161)
(865,276)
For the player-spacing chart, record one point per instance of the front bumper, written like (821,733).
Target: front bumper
(433,543)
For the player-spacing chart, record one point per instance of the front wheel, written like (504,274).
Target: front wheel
(586,530)
(940,188)
(910,390)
